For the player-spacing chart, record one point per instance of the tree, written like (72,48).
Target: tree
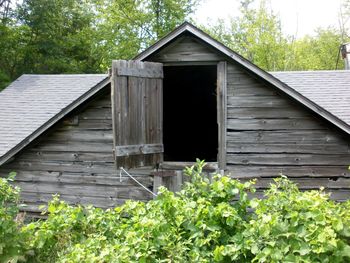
(128,26)
(82,36)
(257,35)
(319,52)
(5,10)
(10,43)
(47,36)
(60,36)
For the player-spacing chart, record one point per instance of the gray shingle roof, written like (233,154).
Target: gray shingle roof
(33,100)
(329,89)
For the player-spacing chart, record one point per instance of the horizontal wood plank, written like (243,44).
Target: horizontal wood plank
(274,124)
(96,114)
(71,146)
(126,192)
(251,171)
(102,102)
(141,72)
(266,113)
(288,159)
(60,166)
(240,79)
(260,101)
(186,49)
(80,178)
(249,90)
(292,136)
(73,199)
(127,150)
(97,157)
(82,136)
(298,147)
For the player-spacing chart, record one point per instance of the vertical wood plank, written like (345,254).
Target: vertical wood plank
(178,181)
(157,182)
(221,112)
(137,111)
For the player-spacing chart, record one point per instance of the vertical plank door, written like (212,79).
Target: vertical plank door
(137,112)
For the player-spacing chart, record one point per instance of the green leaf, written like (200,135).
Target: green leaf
(218,253)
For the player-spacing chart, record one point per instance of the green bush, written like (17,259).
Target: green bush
(208,221)
(294,226)
(188,226)
(11,239)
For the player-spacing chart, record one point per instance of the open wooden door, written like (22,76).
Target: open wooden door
(137,112)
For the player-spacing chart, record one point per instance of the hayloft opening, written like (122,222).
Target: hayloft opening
(190,127)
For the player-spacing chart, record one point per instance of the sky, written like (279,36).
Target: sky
(299,17)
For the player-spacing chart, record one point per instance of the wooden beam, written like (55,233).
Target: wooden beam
(138,149)
(221,112)
(210,166)
(164,173)
(138,72)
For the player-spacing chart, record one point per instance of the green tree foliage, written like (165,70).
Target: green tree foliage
(5,10)
(319,52)
(127,26)
(257,35)
(59,36)
(81,36)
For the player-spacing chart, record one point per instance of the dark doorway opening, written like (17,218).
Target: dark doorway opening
(190,127)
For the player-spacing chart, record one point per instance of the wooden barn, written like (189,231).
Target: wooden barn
(187,96)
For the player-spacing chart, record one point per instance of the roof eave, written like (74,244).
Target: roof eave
(98,87)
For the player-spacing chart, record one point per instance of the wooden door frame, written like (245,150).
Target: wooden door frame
(222,113)
(221,78)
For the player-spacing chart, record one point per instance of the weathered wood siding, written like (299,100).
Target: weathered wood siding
(268,134)
(75,160)
(186,49)
(137,112)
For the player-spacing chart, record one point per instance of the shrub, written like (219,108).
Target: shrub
(11,240)
(188,226)
(208,221)
(294,226)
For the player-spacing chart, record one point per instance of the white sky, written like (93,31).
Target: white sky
(299,17)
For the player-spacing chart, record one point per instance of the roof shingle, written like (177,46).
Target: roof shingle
(32,100)
(328,89)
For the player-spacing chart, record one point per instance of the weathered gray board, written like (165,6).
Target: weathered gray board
(268,134)
(75,160)
(137,112)
(186,49)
